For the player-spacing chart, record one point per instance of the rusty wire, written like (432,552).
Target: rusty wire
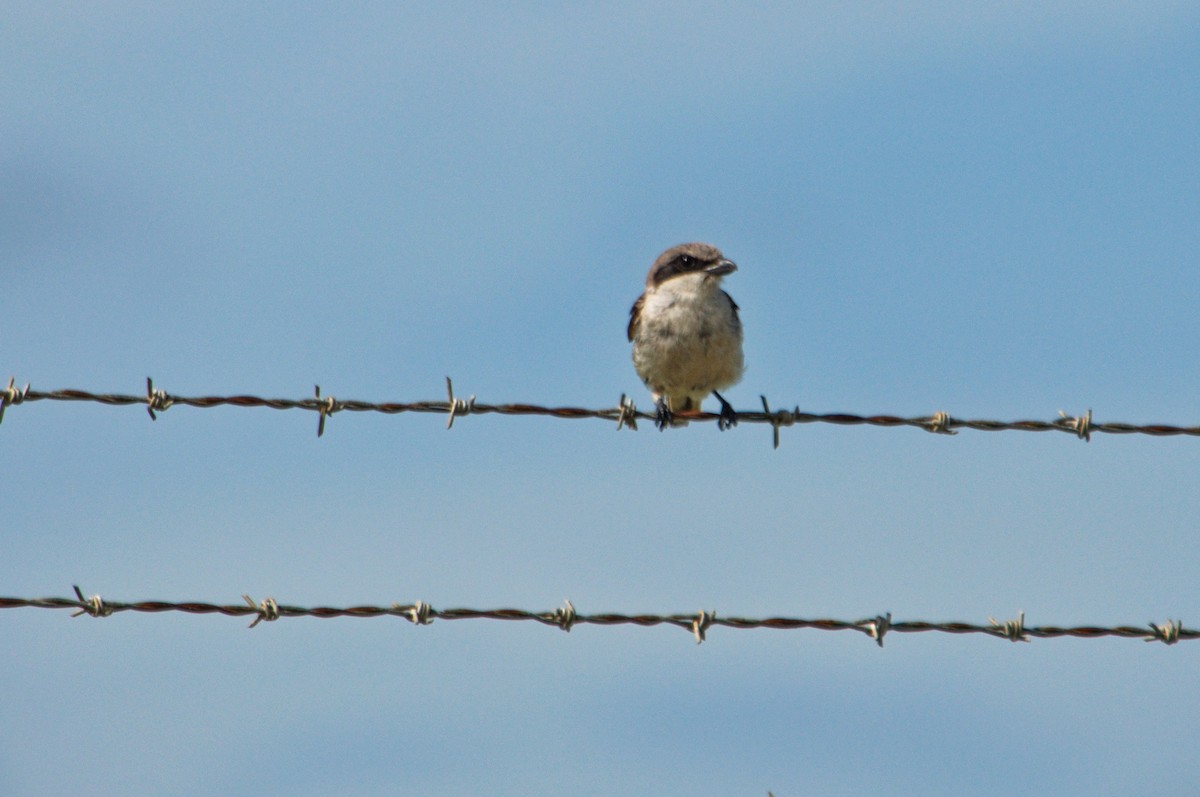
(566,617)
(625,414)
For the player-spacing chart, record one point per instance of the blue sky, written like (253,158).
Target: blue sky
(984,209)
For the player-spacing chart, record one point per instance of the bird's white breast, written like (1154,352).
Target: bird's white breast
(688,340)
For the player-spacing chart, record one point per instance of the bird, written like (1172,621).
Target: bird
(686,333)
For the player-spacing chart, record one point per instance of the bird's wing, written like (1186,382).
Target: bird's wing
(635,316)
(733,304)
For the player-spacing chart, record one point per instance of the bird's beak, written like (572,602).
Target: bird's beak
(721,268)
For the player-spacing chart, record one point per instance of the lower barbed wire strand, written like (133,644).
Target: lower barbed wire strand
(567,617)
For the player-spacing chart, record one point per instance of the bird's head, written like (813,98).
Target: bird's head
(693,258)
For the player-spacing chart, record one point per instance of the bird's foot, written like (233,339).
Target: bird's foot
(663,417)
(728,415)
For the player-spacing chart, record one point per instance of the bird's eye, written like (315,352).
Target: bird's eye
(687,261)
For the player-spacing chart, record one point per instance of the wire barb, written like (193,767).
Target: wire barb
(11,396)
(267,609)
(1013,630)
(939,423)
(457,406)
(564,616)
(1081,426)
(420,613)
(878,626)
(777,419)
(627,415)
(1167,633)
(156,400)
(701,623)
(93,606)
(325,406)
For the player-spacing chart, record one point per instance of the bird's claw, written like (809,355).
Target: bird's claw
(663,417)
(728,416)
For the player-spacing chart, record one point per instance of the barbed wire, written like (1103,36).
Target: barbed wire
(625,414)
(566,617)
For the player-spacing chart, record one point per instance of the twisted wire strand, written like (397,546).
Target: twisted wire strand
(624,415)
(566,617)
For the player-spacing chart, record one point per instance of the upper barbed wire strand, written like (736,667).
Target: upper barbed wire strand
(625,415)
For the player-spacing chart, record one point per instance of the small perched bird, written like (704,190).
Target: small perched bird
(687,337)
